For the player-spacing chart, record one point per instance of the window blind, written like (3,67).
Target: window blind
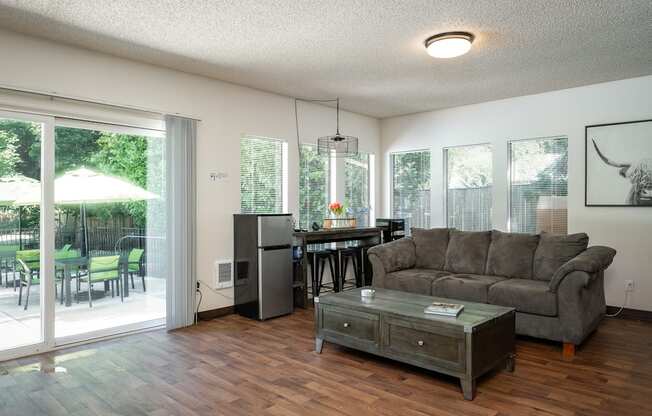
(313,187)
(411,188)
(469,187)
(538,185)
(356,188)
(261,175)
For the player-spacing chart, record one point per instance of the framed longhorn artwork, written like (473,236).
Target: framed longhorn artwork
(619,164)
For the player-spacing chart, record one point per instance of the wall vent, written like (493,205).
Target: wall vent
(223,274)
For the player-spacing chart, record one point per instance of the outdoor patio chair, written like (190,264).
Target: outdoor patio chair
(102,269)
(135,266)
(7,261)
(65,253)
(29,266)
(28,276)
(28,262)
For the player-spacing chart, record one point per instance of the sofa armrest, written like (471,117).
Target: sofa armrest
(391,257)
(581,304)
(591,261)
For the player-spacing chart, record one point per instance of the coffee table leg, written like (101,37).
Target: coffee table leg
(468,388)
(319,344)
(510,363)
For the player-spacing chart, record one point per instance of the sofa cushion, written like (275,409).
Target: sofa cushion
(413,280)
(467,251)
(430,247)
(555,250)
(525,295)
(471,287)
(511,254)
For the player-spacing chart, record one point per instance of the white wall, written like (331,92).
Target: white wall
(565,112)
(227,112)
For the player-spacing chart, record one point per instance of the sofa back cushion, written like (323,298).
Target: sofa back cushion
(430,247)
(555,250)
(511,254)
(467,251)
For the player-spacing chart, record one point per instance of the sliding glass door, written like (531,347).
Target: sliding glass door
(110,222)
(23,247)
(83,219)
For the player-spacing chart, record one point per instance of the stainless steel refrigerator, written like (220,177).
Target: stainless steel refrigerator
(263,265)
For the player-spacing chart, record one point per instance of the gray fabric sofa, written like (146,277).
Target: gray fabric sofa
(555,283)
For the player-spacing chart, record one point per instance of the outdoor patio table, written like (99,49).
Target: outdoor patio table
(82,262)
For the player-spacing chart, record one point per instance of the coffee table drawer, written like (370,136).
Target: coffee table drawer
(351,324)
(423,344)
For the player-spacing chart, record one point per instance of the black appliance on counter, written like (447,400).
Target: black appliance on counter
(392,228)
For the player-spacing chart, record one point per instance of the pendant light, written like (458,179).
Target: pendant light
(338,145)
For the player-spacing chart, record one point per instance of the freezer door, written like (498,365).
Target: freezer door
(275,230)
(275,282)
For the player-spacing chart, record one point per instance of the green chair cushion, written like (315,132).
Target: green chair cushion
(104,268)
(102,276)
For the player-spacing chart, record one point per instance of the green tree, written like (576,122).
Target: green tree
(27,146)
(75,148)
(137,159)
(9,157)
(313,187)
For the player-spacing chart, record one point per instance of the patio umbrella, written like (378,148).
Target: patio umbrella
(14,187)
(83,186)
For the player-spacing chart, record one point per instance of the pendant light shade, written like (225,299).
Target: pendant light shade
(338,145)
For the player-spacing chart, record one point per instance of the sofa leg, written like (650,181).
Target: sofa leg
(568,352)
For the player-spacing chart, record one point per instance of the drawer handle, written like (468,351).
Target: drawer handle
(420,343)
(346,324)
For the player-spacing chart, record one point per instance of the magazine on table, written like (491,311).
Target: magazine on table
(444,309)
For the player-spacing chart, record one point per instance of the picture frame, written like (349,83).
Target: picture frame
(618,164)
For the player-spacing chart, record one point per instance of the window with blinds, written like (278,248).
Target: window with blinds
(538,185)
(313,187)
(411,188)
(261,175)
(356,188)
(469,180)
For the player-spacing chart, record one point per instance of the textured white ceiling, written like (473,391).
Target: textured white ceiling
(370,53)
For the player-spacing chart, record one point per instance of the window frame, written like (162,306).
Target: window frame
(371,160)
(509,171)
(391,178)
(445,176)
(329,180)
(284,168)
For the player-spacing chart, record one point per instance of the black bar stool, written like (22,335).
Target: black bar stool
(345,252)
(318,255)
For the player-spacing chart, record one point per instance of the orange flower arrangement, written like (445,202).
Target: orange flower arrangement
(336,208)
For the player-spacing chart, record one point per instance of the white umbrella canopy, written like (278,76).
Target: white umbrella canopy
(84,186)
(16,187)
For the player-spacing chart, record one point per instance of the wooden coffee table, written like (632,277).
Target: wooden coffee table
(393,325)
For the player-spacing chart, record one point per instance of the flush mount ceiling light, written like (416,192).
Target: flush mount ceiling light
(449,44)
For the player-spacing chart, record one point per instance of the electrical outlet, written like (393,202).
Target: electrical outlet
(629,285)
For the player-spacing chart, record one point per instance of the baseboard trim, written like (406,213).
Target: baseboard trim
(215,313)
(634,314)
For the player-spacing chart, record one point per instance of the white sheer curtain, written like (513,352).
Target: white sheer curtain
(181,136)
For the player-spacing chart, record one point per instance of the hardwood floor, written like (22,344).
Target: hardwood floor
(235,366)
